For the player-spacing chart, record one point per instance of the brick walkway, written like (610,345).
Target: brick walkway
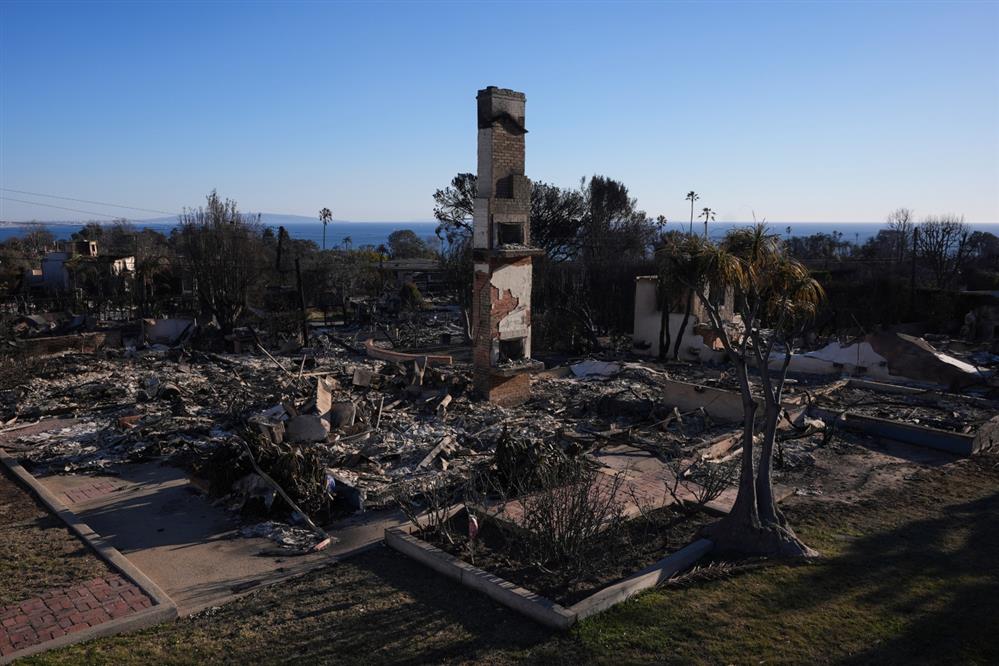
(68,610)
(91,491)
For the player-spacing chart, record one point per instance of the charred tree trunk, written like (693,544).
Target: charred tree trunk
(742,531)
(280,247)
(664,336)
(744,511)
(301,303)
(764,475)
(683,326)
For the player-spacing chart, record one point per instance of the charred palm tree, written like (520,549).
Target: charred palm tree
(325,216)
(708,215)
(692,196)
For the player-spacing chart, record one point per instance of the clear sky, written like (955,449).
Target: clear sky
(797,111)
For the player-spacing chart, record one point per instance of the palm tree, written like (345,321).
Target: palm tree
(325,216)
(348,241)
(687,274)
(707,214)
(148,270)
(666,285)
(776,299)
(692,196)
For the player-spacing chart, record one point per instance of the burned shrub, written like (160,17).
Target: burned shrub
(410,297)
(560,527)
(521,464)
(296,469)
(15,368)
(700,482)
(561,522)
(427,503)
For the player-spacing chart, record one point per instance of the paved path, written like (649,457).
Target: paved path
(187,546)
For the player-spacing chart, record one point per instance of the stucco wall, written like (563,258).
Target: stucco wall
(647,323)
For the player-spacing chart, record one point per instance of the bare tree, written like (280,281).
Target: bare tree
(223,251)
(555,522)
(427,504)
(699,482)
(943,246)
(453,207)
(901,225)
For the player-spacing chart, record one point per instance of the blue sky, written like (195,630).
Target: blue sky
(794,111)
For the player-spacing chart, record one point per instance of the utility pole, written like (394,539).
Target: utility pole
(912,277)
(301,303)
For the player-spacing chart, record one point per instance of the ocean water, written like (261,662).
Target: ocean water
(376,233)
(359,233)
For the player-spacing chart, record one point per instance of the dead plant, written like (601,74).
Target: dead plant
(558,523)
(716,571)
(427,504)
(699,482)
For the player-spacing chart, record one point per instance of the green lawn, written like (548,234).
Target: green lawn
(911,576)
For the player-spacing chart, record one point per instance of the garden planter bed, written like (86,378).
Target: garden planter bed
(543,596)
(958,424)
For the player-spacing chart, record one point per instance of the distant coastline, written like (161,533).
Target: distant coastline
(376,233)
(359,233)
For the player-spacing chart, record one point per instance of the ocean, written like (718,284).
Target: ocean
(359,233)
(376,233)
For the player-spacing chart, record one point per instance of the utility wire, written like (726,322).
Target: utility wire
(87,201)
(75,210)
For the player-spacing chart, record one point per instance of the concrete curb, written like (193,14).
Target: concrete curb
(523,601)
(942,440)
(648,577)
(163,608)
(534,606)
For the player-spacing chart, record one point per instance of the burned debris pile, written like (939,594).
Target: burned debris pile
(337,430)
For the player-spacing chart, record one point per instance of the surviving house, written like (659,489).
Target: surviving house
(78,265)
(426,273)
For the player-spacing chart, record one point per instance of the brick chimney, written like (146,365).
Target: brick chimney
(501,298)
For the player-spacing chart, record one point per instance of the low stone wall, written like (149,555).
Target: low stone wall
(538,608)
(84,342)
(952,442)
(720,404)
(523,601)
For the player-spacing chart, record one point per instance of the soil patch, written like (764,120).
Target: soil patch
(615,554)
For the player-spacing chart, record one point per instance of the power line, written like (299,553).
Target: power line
(75,210)
(87,201)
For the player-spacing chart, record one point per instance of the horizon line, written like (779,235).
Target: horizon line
(164,220)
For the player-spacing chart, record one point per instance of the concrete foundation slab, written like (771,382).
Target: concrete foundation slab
(190,548)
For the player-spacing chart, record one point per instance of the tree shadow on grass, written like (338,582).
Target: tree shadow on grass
(377,607)
(932,584)
(444,620)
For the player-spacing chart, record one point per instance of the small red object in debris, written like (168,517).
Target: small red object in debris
(473,527)
(322,544)
(129,421)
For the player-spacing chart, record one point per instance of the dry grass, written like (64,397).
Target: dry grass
(37,550)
